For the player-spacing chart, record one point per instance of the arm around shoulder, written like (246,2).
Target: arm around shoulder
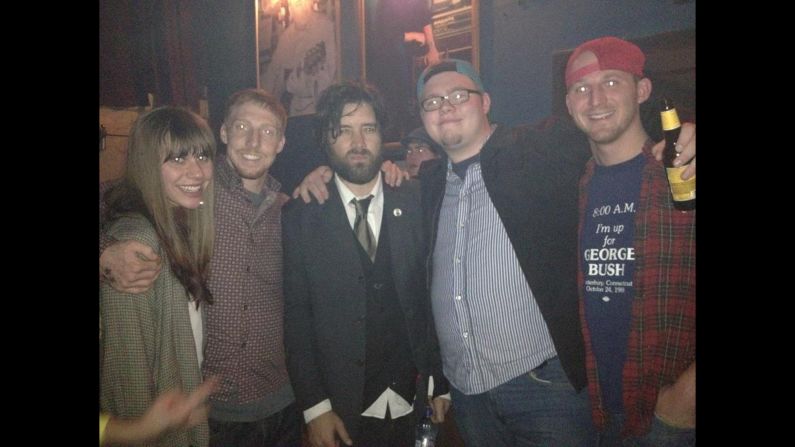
(131,263)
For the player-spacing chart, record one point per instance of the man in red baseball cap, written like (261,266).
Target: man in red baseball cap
(637,259)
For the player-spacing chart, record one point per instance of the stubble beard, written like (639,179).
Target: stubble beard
(450,139)
(248,172)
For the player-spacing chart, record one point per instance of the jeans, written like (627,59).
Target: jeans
(660,435)
(282,429)
(538,408)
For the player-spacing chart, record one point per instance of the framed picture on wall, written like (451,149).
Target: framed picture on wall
(400,38)
(297,50)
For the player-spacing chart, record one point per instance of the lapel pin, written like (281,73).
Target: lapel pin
(397,212)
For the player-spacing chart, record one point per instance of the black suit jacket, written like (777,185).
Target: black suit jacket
(325,299)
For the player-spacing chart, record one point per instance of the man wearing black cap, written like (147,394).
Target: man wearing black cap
(419,148)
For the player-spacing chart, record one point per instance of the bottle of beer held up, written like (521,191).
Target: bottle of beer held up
(683,192)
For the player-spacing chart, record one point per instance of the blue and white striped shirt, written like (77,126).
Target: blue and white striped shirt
(489,325)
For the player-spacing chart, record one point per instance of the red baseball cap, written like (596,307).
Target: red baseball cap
(611,53)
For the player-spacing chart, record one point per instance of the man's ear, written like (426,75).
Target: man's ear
(222,132)
(281,144)
(486,103)
(643,90)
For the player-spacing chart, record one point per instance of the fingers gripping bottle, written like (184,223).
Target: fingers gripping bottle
(683,192)
(426,431)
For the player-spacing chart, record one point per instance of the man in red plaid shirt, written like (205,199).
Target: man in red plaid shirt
(637,264)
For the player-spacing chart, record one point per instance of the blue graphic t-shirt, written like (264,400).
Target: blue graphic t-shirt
(608,261)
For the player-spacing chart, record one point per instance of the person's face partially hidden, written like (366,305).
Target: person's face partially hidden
(418,152)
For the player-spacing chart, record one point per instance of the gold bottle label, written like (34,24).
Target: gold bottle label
(670,120)
(681,190)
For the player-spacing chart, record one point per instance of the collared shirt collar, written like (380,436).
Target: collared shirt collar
(347,195)
(374,212)
(460,168)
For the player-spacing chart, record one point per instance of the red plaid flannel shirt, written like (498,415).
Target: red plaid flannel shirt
(662,339)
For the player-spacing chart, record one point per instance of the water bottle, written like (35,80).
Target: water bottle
(426,431)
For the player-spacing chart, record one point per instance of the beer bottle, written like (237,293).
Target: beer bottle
(683,192)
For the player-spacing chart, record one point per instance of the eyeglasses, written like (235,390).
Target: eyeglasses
(244,129)
(419,150)
(454,98)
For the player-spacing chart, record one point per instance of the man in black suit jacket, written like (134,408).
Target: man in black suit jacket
(358,328)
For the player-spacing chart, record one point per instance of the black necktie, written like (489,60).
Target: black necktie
(362,228)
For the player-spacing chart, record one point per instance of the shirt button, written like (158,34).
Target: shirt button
(378,285)
(248,268)
(245,307)
(457,260)
(465,334)
(458,297)
(243,345)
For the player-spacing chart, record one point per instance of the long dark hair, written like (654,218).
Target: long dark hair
(333,101)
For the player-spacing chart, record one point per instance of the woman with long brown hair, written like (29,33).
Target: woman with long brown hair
(152,341)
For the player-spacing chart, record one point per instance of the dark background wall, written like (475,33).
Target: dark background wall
(228,39)
(519,39)
(151,47)
(175,47)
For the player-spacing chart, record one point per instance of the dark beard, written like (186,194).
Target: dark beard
(359,174)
